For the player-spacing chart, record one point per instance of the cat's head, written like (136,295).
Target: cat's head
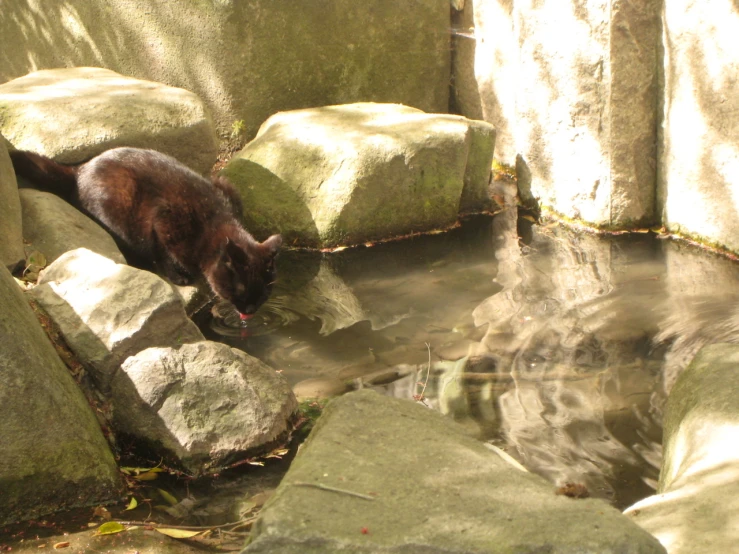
(245,273)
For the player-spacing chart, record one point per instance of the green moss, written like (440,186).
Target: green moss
(627,225)
(309,411)
(271,205)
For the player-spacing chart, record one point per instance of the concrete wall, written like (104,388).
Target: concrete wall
(621,113)
(246,58)
(572,88)
(699,163)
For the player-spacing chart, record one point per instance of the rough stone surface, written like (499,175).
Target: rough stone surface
(352,173)
(205,404)
(587,108)
(697,505)
(74,114)
(430,489)
(247,60)
(699,162)
(54,454)
(108,311)
(485,69)
(579,116)
(11,245)
(53,227)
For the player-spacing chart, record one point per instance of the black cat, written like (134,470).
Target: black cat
(164,214)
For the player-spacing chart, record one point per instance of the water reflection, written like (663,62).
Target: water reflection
(559,347)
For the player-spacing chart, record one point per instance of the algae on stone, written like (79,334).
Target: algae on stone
(349,174)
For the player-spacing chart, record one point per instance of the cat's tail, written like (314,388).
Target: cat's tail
(45,173)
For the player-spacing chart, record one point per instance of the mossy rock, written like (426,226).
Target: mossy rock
(354,173)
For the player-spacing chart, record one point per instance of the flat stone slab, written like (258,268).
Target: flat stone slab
(353,173)
(380,474)
(74,114)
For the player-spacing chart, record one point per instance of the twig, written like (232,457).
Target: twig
(334,489)
(419,397)
(155,524)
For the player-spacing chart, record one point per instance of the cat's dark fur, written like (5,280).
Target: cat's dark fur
(166,215)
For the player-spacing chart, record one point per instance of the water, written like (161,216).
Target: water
(559,347)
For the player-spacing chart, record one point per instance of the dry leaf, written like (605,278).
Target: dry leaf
(148,476)
(177,533)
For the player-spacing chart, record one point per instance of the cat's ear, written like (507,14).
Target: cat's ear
(232,253)
(273,244)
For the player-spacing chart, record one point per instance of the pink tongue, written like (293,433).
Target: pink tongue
(244,317)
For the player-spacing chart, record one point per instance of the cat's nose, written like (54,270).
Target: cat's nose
(249,310)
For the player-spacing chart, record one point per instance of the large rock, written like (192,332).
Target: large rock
(352,173)
(582,113)
(205,405)
(586,108)
(423,486)
(53,227)
(485,69)
(74,114)
(11,245)
(54,454)
(699,176)
(697,505)
(248,60)
(108,311)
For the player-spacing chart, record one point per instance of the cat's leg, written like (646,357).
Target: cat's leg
(174,271)
(168,266)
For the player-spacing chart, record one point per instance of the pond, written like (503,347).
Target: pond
(557,346)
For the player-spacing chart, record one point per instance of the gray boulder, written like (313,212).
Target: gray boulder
(697,501)
(74,114)
(353,173)
(248,60)
(204,405)
(53,227)
(108,311)
(11,245)
(54,454)
(380,474)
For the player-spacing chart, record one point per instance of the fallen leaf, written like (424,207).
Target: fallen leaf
(37,258)
(110,528)
(148,476)
(140,470)
(177,533)
(168,498)
(132,504)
